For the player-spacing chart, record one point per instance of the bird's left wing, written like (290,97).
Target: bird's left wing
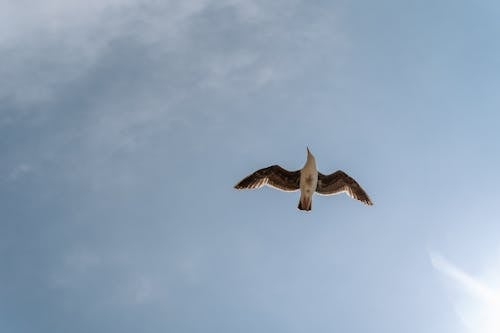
(338,182)
(274,176)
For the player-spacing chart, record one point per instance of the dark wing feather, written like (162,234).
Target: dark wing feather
(274,176)
(338,182)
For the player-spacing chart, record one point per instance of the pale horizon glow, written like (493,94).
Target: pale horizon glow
(478,304)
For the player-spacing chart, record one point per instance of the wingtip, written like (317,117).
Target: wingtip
(240,186)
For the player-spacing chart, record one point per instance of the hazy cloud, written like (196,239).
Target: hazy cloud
(102,80)
(19,171)
(46,45)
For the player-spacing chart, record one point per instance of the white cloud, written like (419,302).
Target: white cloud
(142,290)
(83,260)
(19,171)
(104,77)
(478,303)
(47,44)
(53,42)
(75,267)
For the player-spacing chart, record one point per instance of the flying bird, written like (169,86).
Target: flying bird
(308,180)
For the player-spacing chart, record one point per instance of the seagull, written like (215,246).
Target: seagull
(308,180)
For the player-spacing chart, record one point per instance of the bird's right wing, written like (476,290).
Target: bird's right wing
(274,176)
(338,182)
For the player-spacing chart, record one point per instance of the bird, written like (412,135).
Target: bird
(308,180)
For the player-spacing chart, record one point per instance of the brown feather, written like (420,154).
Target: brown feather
(274,176)
(338,182)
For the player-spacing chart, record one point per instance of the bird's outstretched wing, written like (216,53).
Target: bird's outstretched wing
(338,182)
(274,176)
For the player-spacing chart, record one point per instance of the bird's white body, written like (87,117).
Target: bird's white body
(308,182)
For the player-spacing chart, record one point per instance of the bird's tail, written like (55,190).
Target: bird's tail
(305,203)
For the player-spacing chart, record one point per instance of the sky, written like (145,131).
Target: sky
(125,124)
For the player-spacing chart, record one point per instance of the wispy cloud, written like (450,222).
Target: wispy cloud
(81,268)
(102,81)
(478,303)
(48,44)
(101,84)
(141,290)
(19,171)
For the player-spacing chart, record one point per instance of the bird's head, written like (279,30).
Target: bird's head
(309,155)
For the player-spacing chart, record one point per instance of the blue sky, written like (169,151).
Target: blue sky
(125,124)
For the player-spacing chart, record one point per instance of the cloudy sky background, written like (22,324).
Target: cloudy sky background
(125,124)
